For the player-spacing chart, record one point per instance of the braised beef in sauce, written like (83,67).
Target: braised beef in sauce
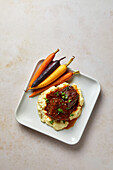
(61,103)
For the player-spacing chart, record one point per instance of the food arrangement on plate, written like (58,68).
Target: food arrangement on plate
(59,103)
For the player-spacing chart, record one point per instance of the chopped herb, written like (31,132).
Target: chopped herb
(47,101)
(67,108)
(69,100)
(71,114)
(60,100)
(51,121)
(56,93)
(63,93)
(53,101)
(66,96)
(63,121)
(62,103)
(67,88)
(60,110)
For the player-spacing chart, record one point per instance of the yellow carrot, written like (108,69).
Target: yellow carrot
(60,80)
(56,74)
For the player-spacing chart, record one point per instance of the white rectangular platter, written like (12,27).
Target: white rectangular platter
(27,114)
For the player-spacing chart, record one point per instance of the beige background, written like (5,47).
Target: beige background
(30,30)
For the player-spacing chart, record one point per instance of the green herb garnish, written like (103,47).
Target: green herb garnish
(63,121)
(60,110)
(47,101)
(62,103)
(63,93)
(67,108)
(56,93)
(66,97)
(51,121)
(67,88)
(69,100)
(53,101)
(71,114)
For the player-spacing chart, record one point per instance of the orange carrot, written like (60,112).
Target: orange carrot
(62,79)
(42,67)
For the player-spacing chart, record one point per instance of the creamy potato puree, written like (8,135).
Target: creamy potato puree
(41,105)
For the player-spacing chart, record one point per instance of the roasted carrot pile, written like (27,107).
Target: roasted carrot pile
(50,73)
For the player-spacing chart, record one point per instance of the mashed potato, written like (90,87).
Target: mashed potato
(42,103)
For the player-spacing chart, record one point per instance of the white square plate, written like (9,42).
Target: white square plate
(27,114)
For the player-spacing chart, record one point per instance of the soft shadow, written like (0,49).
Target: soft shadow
(55,143)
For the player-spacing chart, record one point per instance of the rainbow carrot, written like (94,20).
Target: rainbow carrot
(62,79)
(56,74)
(42,67)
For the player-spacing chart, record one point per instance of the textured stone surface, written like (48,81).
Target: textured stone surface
(30,30)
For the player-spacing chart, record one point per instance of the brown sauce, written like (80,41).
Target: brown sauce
(61,103)
(71,123)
